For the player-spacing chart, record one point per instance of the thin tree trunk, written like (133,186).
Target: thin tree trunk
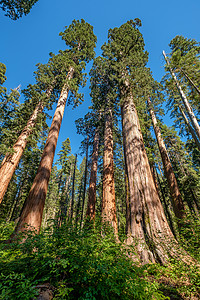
(85,180)
(15,202)
(185,101)
(149,227)
(168,214)
(11,161)
(177,201)
(191,81)
(90,213)
(78,206)
(67,184)
(71,209)
(178,163)
(33,207)
(108,201)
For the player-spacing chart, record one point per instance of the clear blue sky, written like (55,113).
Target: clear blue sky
(28,41)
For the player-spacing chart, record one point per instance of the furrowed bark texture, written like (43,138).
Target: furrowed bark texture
(33,207)
(108,200)
(185,101)
(149,228)
(153,172)
(11,161)
(90,213)
(177,201)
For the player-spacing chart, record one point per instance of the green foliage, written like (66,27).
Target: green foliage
(79,37)
(2,73)
(16,286)
(190,236)
(177,280)
(80,265)
(15,9)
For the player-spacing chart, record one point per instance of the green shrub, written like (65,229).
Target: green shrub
(79,264)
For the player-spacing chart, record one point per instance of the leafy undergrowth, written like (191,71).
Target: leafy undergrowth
(85,265)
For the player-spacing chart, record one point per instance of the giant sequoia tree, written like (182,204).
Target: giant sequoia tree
(80,39)
(125,50)
(37,97)
(103,94)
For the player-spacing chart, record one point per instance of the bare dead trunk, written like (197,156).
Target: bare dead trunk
(191,81)
(191,130)
(90,213)
(33,207)
(149,227)
(177,201)
(185,101)
(108,212)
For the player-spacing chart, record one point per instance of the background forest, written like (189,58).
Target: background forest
(102,201)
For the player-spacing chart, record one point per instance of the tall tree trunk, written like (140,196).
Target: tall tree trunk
(177,201)
(90,213)
(16,199)
(153,172)
(108,201)
(167,211)
(127,190)
(185,101)
(178,164)
(78,206)
(66,191)
(85,180)
(33,207)
(128,209)
(11,161)
(71,209)
(149,227)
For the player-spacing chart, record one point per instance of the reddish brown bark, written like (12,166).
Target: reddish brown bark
(149,227)
(11,161)
(90,213)
(177,201)
(108,200)
(153,172)
(33,207)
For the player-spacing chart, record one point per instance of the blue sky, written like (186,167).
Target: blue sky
(28,41)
